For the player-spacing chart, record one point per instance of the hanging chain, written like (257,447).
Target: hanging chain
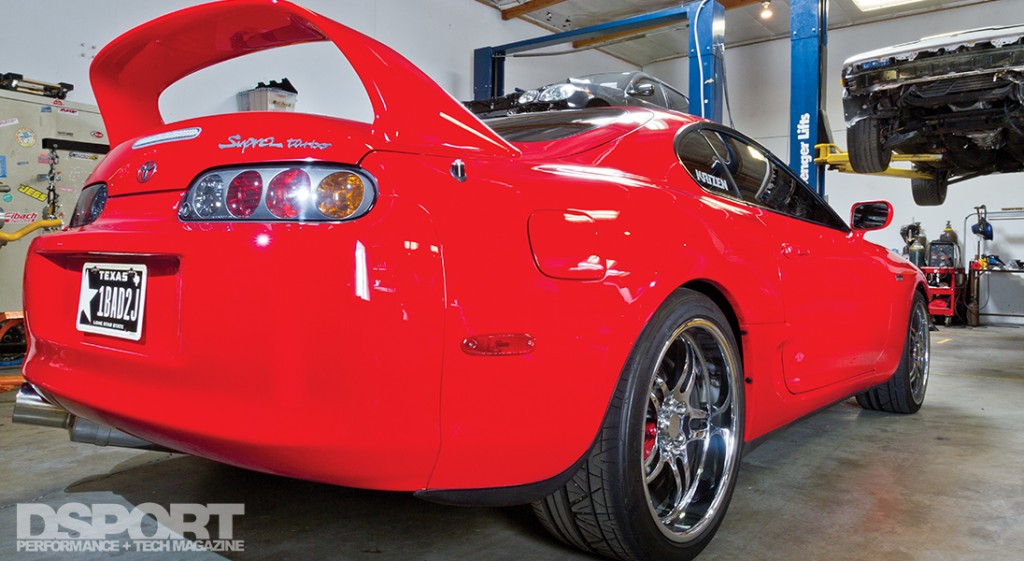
(51,186)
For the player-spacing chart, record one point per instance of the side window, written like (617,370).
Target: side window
(786,194)
(676,100)
(747,165)
(728,165)
(703,162)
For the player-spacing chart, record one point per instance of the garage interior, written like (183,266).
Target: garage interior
(845,483)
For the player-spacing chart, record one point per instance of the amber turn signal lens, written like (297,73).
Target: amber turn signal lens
(339,195)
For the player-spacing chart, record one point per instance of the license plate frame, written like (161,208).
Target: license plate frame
(112,299)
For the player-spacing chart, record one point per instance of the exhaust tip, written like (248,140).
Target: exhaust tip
(30,408)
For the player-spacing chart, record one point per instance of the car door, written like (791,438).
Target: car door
(836,324)
(837,300)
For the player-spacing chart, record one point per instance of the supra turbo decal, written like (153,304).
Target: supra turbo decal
(236,141)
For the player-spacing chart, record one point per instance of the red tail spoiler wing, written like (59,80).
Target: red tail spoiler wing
(411,112)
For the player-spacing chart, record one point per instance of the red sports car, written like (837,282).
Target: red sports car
(595,311)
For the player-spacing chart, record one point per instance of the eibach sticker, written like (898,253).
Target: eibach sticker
(26,138)
(20,217)
(8,122)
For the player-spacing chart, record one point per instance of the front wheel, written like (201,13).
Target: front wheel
(661,474)
(932,191)
(865,141)
(904,392)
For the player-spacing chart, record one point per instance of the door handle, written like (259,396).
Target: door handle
(792,251)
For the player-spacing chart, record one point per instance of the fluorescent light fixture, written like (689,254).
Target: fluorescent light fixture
(868,5)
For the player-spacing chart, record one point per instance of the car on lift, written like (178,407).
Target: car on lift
(960,95)
(595,311)
(595,90)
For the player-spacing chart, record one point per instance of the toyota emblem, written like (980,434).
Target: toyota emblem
(146,171)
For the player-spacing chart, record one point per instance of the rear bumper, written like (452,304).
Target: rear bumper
(31,408)
(304,350)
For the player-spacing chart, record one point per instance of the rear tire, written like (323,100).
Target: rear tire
(904,392)
(930,192)
(865,140)
(660,476)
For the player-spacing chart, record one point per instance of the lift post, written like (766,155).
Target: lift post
(707,31)
(808,125)
(707,58)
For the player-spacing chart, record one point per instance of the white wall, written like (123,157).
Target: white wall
(437,35)
(61,36)
(758,77)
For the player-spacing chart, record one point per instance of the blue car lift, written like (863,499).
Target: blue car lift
(707,29)
(808,124)
(809,39)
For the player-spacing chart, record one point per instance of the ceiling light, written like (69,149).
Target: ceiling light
(868,5)
(766,11)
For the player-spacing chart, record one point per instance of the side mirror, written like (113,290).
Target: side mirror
(642,90)
(872,215)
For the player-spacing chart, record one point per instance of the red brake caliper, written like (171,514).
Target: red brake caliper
(650,438)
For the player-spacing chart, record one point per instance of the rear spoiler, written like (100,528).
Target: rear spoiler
(411,112)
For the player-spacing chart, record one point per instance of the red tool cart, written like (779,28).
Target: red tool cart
(945,287)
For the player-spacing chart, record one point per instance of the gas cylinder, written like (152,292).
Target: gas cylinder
(948,233)
(917,252)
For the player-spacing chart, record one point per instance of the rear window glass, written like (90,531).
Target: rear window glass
(552,125)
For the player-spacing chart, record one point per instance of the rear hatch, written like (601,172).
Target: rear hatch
(172,156)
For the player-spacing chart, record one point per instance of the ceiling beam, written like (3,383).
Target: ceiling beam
(584,43)
(730,4)
(527,7)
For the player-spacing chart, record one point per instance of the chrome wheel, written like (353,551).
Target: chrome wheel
(691,434)
(658,479)
(920,353)
(904,391)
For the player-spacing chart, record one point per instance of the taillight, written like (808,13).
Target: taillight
(288,193)
(208,199)
(90,205)
(244,193)
(301,193)
(339,195)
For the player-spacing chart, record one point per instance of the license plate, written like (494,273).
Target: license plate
(112,300)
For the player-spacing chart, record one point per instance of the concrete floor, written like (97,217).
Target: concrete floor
(846,484)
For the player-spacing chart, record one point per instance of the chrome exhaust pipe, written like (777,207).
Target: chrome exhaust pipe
(88,432)
(31,408)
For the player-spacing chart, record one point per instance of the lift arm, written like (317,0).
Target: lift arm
(830,155)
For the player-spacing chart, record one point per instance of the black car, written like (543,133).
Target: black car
(595,90)
(960,95)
